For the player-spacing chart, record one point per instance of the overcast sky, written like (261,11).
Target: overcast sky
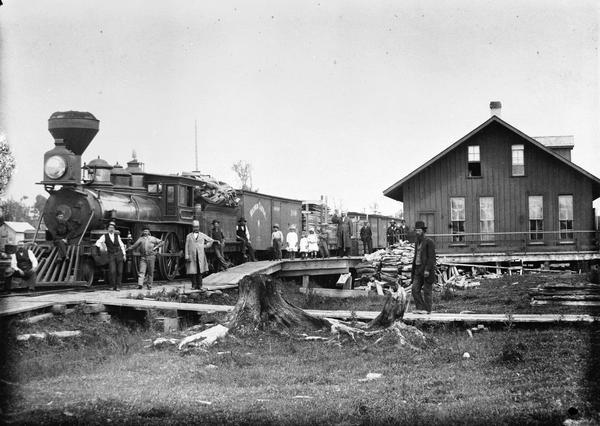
(339,98)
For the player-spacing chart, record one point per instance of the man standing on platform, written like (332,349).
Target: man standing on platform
(24,265)
(195,258)
(148,245)
(277,239)
(366,236)
(344,235)
(402,231)
(111,243)
(423,270)
(219,244)
(243,235)
(390,233)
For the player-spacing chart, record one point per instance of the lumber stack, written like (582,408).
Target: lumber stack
(566,294)
(389,267)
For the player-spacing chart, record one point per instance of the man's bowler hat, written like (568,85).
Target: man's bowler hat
(420,225)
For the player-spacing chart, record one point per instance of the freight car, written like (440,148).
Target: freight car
(93,194)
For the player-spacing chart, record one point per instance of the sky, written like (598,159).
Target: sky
(334,98)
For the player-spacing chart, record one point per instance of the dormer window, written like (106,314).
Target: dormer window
(474,162)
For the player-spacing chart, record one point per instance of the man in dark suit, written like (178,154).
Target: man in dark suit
(423,270)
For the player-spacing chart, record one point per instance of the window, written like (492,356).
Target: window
(518,160)
(170,194)
(486,218)
(565,216)
(457,216)
(474,163)
(536,217)
(154,188)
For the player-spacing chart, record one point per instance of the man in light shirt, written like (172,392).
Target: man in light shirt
(148,245)
(24,265)
(111,243)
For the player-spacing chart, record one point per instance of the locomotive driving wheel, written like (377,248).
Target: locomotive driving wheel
(87,271)
(170,256)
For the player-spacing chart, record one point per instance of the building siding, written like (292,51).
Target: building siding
(431,189)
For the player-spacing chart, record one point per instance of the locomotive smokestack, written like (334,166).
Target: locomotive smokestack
(76,129)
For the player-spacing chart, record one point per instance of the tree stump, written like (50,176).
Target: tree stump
(393,310)
(260,306)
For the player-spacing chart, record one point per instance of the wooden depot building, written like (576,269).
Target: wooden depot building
(498,194)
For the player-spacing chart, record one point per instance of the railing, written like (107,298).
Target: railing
(534,241)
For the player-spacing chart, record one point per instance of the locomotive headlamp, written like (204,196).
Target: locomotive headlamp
(55,167)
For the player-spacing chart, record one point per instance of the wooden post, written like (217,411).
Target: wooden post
(305,279)
(498,271)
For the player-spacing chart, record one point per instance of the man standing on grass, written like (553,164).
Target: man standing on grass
(423,270)
(148,245)
(111,243)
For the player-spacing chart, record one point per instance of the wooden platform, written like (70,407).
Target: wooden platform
(565,256)
(234,275)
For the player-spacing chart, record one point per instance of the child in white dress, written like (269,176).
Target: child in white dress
(304,246)
(313,244)
(291,242)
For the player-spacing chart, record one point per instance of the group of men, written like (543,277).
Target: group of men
(396,233)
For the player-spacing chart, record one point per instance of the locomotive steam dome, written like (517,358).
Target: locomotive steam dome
(101,171)
(120,177)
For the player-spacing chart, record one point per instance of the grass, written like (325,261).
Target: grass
(112,374)
(275,378)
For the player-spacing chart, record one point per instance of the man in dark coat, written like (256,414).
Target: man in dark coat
(23,264)
(344,235)
(219,245)
(243,235)
(402,231)
(63,232)
(390,233)
(366,236)
(111,243)
(423,270)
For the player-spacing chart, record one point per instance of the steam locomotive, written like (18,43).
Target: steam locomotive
(92,194)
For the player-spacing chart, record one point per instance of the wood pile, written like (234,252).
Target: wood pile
(387,268)
(566,294)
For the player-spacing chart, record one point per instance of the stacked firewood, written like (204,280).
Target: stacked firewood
(388,267)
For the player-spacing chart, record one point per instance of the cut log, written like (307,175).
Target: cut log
(260,305)
(37,318)
(206,338)
(93,308)
(60,334)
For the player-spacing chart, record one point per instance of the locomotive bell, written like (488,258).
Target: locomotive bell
(72,131)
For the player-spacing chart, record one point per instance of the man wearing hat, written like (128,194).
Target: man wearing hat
(277,240)
(344,235)
(402,231)
(243,235)
(111,244)
(195,258)
(62,233)
(148,245)
(219,244)
(23,264)
(390,233)
(423,269)
(366,236)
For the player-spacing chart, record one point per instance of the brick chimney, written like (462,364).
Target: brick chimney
(496,108)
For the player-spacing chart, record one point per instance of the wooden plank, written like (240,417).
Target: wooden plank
(332,292)
(566,302)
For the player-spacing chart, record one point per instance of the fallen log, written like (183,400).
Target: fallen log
(206,338)
(59,334)
(37,318)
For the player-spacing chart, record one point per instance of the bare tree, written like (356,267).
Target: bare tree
(374,207)
(243,171)
(7,163)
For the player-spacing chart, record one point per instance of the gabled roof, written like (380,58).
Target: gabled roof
(19,226)
(395,191)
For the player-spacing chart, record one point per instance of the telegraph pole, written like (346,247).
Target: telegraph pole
(196,143)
